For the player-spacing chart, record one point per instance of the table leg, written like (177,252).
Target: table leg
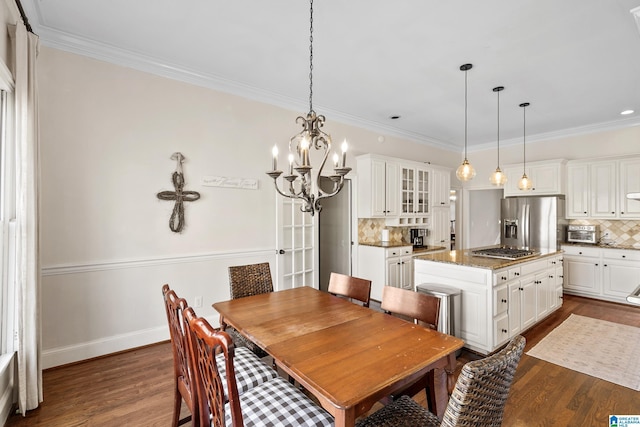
(345,418)
(450,370)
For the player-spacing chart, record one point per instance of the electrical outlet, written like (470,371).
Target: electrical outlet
(197,302)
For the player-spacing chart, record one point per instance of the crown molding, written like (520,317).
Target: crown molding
(141,62)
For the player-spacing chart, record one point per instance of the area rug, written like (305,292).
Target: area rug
(599,348)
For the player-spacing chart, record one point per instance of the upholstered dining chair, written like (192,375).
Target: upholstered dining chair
(183,388)
(420,308)
(271,403)
(249,372)
(478,398)
(351,287)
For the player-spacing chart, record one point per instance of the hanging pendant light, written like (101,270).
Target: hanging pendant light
(300,144)
(524,183)
(498,177)
(465,171)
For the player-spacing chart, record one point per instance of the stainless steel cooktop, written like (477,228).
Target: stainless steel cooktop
(504,253)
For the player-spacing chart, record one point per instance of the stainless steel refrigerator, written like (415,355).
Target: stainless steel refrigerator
(533,222)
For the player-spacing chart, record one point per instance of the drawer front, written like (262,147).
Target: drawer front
(621,254)
(500,300)
(500,330)
(582,251)
(398,251)
(501,276)
(533,267)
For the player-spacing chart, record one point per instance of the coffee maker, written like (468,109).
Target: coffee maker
(418,237)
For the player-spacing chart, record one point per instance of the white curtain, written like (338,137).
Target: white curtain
(27,217)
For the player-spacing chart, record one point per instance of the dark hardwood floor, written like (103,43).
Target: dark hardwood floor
(135,388)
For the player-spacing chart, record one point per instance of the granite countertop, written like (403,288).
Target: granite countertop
(381,244)
(604,246)
(463,257)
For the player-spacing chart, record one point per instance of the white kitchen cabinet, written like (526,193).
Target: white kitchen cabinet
(598,188)
(602,190)
(440,187)
(548,178)
(377,187)
(620,272)
(629,172)
(578,197)
(440,227)
(399,190)
(414,191)
(400,267)
(385,267)
(601,272)
(495,304)
(582,270)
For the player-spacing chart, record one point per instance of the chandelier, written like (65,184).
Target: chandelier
(300,184)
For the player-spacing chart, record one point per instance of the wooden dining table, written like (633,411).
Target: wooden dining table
(348,356)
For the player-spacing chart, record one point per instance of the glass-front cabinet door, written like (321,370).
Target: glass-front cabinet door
(422,192)
(415,192)
(408,191)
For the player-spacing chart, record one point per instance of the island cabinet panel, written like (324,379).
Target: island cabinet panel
(496,303)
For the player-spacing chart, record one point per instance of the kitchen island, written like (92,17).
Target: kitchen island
(500,298)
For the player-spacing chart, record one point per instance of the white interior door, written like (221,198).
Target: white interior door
(295,240)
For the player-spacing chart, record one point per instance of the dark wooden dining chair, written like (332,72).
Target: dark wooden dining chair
(478,398)
(422,309)
(351,287)
(271,403)
(419,307)
(249,372)
(183,387)
(244,281)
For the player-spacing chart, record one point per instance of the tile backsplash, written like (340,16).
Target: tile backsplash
(617,232)
(370,231)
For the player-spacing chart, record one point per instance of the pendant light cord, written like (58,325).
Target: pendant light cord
(498,128)
(524,136)
(465,114)
(311,57)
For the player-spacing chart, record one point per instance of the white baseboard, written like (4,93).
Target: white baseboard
(88,350)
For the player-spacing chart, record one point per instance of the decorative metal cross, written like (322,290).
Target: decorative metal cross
(176,222)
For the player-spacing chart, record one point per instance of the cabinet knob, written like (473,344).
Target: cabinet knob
(550,276)
(605,265)
(517,274)
(624,256)
(585,212)
(521,289)
(596,265)
(504,331)
(503,278)
(614,212)
(580,253)
(504,300)
(561,276)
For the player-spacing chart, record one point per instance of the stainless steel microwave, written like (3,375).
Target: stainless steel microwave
(582,234)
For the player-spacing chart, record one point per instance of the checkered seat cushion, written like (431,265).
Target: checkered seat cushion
(278,403)
(250,371)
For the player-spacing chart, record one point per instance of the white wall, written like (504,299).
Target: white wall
(107,133)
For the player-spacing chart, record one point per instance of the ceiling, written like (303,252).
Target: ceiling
(576,61)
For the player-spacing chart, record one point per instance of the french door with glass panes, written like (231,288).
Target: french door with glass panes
(295,242)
